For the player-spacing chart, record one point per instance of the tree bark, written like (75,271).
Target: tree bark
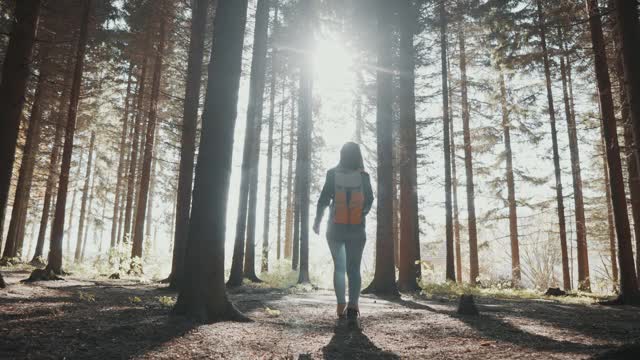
(631,153)
(57,230)
(454,191)
(53,165)
(566,277)
(143,195)
(121,160)
(267,193)
(384,279)
(288,222)
(627,28)
(202,294)
(305,129)
(409,270)
(255,110)
(152,188)
(511,186)
(61,116)
(450,263)
(474,268)
(76,178)
(89,210)
(15,236)
(133,157)
(629,293)
(280,174)
(243,262)
(188,140)
(85,196)
(584,283)
(613,254)
(15,72)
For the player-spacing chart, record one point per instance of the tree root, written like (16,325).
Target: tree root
(374,289)
(620,300)
(42,275)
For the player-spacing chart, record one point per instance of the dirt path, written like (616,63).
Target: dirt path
(80,318)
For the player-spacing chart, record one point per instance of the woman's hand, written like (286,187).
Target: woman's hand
(316,227)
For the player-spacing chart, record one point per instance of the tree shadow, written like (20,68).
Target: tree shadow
(604,323)
(349,342)
(493,327)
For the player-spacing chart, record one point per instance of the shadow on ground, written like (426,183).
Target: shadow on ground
(349,342)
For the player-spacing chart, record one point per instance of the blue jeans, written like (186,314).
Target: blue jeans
(346,243)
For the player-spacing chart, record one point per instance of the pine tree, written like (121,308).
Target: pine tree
(202,294)
(384,281)
(55,252)
(188,140)
(629,293)
(15,72)
(409,268)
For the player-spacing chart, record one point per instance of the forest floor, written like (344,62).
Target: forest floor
(88,318)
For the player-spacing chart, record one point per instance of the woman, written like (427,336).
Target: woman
(347,190)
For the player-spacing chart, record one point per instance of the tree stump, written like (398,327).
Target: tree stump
(467,306)
(555,292)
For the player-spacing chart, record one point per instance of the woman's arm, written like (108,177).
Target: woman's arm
(368,193)
(325,199)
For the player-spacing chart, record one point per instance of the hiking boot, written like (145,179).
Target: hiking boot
(352,317)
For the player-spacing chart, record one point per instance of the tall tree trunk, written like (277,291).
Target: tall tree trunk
(359,105)
(627,28)
(61,116)
(76,178)
(188,140)
(89,211)
(516,276)
(454,182)
(454,191)
(133,158)
(450,263)
(288,222)
(15,235)
(584,282)
(629,293)
(280,173)
(55,250)
(85,196)
(456,212)
(384,279)
(243,262)
(267,193)
(409,270)
(255,110)
(15,72)
(53,166)
(121,160)
(631,153)
(305,129)
(123,198)
(295,257)
(152,188)
(566,278)
(145,178)
(202,294)
(610,221)
(474,268)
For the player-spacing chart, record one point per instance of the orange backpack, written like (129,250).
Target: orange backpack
(349,197)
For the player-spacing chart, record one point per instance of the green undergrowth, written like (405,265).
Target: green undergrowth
(453,290)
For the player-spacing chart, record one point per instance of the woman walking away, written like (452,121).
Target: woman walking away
(347,191)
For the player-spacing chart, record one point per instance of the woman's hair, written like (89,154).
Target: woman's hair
(351,157)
